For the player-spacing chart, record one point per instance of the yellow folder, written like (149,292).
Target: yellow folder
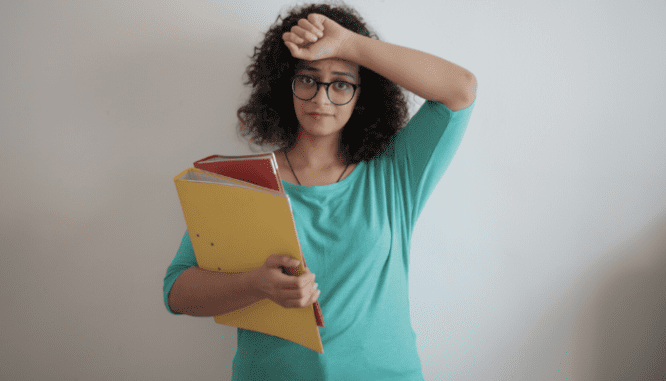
(235,226)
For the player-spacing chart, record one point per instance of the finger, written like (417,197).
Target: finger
(314,297)
(296,283)
(309,27)
(304,301)
(281,280)
(278,279)
(318,21)
(279,259)
(290,270)
(294,268)
(288,278)
(294,296)
(304,32)
(275,261)
(305,279)
(292,37)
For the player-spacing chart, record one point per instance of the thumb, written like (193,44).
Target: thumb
(282,260)
(291,266)
(298,52)
(291,261)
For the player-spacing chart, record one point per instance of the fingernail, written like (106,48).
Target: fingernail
(320,34)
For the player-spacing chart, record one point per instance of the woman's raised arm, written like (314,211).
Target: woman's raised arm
(427,76)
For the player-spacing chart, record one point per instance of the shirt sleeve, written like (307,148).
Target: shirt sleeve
(423,149)
(184,260)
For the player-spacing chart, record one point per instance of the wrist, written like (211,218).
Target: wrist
(250,283)
(349,49)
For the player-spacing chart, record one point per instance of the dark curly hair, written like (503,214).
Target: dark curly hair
(269,117)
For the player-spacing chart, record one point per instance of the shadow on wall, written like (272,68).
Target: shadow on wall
(624,335)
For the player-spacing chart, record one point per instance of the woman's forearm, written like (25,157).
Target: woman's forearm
(425,75)
(199,292)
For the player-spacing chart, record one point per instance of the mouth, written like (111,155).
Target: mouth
(316,114)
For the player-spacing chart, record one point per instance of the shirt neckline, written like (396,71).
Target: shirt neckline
(328,187)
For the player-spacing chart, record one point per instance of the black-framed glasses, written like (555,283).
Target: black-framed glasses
(338,92)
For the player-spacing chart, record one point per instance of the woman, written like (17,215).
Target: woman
(357,177)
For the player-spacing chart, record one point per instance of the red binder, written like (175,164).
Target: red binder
(258,169)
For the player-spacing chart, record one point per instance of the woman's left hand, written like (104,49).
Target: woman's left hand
(317,38)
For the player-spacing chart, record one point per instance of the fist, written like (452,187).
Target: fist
(289,291)
(317,38)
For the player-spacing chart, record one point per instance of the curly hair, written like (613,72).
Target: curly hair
(269,116)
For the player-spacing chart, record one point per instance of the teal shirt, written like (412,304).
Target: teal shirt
(355,236)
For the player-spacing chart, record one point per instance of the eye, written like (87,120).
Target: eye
(306,80)
(341,85)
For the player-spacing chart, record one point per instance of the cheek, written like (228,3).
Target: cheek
(347,114)
(298,109)
(298,104)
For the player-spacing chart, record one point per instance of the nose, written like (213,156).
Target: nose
(320,96)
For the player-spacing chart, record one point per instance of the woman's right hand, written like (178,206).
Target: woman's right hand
(286,290)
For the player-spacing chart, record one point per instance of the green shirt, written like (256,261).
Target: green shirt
(355,236)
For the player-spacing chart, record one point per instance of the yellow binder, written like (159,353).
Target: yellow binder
(235,226)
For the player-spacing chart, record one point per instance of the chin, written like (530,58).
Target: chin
(320,129)
(320,132)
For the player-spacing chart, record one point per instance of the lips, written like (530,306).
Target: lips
(318,114)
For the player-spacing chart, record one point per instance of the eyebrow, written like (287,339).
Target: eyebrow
(314,69)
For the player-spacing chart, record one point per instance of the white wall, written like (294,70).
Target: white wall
(541,254)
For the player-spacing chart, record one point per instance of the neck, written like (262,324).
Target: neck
(316,152)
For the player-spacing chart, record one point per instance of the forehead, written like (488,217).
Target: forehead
(329,65)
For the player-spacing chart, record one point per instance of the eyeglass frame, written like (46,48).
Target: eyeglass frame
(326,86)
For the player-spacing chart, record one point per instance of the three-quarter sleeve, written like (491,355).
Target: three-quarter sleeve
(422,150)
(183,260)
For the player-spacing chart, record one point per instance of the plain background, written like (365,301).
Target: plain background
(540,255)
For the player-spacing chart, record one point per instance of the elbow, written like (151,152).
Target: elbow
(173,306)
(469,90)
(467,94)
(464,94)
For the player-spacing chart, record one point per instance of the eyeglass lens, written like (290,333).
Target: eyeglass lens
(339,92)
